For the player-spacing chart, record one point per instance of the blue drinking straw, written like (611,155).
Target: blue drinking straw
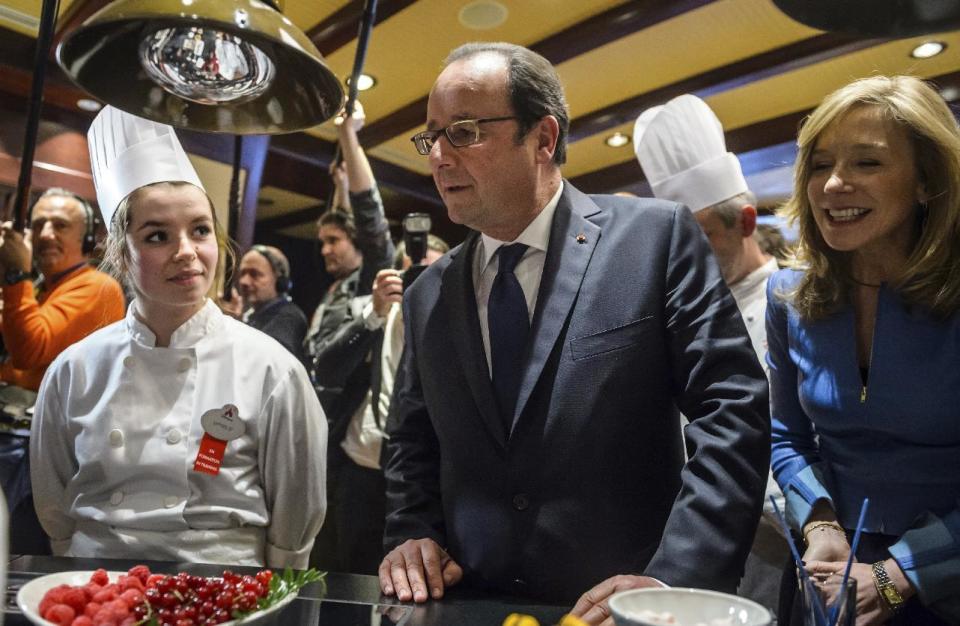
(853,550)
(818,608)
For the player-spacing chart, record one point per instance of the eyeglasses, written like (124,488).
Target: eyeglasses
(460,134)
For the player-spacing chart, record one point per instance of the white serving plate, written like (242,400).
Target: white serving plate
(29,596)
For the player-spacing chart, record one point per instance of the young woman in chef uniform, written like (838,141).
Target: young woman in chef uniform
(177,433)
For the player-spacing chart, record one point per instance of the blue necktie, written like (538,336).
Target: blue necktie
(509,326)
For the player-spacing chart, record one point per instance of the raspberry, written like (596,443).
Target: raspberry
(75,598)
(60,614)
(92,609)
(140,571)
(132,597)
(153,579)
(100,577)
(83,620)
(130,582)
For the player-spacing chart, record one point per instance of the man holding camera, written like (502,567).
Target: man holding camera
(355,246)
(356,497)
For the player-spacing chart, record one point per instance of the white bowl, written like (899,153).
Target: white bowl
(29,596)
(689,607)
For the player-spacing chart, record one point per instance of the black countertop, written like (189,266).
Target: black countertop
(340,600)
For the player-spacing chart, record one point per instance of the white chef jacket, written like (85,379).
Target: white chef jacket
(116,432)
(750,293)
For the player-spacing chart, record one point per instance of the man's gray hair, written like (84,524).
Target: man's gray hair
(729,210)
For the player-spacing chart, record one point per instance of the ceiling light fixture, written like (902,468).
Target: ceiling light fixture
(236,67)
(483,14)
(86,104)
(617,140)
(928,49)
(364,83)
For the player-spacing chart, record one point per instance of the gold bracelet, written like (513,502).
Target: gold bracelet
(812,527)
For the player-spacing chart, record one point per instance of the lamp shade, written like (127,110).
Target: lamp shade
(237,67)
(875,18)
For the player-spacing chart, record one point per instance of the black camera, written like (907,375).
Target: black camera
(416,229)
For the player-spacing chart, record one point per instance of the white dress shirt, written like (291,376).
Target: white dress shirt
(528,271)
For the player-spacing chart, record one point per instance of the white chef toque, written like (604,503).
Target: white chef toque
(681,149)
(128,152)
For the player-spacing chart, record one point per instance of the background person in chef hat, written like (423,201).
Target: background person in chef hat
(681,148)
(179,433)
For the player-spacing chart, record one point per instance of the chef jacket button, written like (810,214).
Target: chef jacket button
(128,361)
(173,437)
(116,438)
(170,501)
(184,364)
(521,502)
(116,498)
(750,318)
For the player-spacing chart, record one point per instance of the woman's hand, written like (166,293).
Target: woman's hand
(872,610)
(826,543)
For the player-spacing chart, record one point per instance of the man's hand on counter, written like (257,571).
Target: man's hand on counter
(592,606)
(415,566)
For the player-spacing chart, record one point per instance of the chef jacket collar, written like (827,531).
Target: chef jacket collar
(203,323)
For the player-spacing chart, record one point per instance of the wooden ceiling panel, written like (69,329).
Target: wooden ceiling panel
(805,88)
(406,51)
(23,16)
(274,201)
(400,151)
(308,13)
(713,35)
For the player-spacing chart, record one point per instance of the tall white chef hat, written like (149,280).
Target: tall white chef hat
(681,149)
(128,152)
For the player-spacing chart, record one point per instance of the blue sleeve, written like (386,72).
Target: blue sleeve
(929,555)
(795,456)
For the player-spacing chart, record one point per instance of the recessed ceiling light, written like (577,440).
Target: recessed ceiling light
(86,104)
(483,15)
(928,49)
(617,140)
(364,82)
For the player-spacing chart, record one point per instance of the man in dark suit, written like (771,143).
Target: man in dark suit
(540,454)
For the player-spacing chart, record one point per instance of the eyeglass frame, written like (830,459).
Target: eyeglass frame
(421,136)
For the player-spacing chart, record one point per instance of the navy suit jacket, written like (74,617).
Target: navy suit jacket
(632,322)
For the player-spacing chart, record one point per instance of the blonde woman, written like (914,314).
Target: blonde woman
(864,339)
(179,433)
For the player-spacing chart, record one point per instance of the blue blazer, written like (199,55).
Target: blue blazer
(632,322)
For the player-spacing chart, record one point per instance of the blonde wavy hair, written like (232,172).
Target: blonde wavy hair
(927,280)
(116,256)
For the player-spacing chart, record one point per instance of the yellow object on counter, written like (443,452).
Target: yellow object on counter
(570,620)
(518,619)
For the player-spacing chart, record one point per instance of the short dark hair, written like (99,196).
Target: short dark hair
(341,219)
(532,84)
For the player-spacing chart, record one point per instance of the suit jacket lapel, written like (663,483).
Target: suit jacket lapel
(572,241)
(458,293)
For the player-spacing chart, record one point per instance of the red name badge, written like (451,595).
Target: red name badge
(219,426)
(210,455)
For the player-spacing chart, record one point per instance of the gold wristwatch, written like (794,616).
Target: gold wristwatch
(885,586)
